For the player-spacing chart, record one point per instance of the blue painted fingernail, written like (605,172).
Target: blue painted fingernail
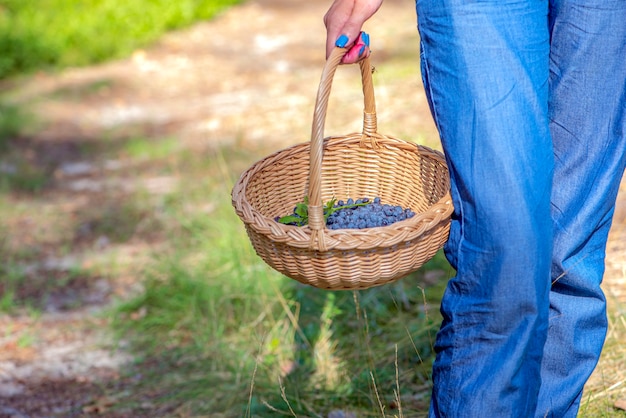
(366,38)
(342,41)
(361,51)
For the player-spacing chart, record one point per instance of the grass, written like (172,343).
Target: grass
(37,34)
(12,121)
(608,385)
(221,333)
(234,337)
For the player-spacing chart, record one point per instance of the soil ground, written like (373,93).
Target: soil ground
(248,76)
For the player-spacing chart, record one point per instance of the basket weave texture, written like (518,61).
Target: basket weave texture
(365,164)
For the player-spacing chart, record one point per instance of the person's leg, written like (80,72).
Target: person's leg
(587,109)
(485,69)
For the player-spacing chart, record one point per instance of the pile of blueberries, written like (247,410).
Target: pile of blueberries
(363,213)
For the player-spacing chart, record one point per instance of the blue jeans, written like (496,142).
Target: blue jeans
(529,97)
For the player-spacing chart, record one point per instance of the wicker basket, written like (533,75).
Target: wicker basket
(366,164)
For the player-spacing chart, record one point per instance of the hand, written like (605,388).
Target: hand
(344,21)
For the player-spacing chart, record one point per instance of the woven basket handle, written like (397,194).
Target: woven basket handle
(316,210)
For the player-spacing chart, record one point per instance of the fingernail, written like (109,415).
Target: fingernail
(361,51)
(342,41)
(366,38)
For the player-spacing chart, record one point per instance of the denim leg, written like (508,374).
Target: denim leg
(485,66)
(587,120)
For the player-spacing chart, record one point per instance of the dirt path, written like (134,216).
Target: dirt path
(248,76)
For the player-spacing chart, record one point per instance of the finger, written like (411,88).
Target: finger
(358,51)
(335,20)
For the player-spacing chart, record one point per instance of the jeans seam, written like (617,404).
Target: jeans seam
(457,201)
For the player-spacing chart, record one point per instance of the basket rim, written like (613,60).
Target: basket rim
(341,239)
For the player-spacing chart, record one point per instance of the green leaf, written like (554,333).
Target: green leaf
(329,209)
(289,219)
(302,210)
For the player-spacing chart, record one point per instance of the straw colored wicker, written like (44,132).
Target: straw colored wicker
(366,164)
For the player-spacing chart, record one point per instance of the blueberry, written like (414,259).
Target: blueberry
(365,213)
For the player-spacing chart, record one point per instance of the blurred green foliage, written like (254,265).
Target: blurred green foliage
(36,34)
(12,119)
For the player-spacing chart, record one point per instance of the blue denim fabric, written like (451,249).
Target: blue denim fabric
(530,101)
